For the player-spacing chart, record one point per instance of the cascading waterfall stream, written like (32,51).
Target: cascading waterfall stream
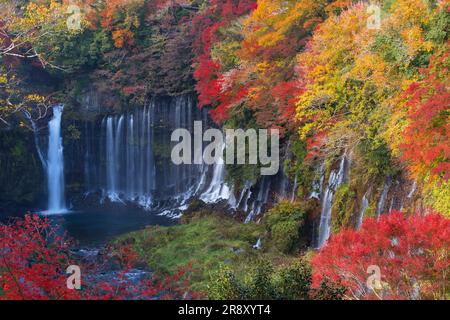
(217,189)
(336,179)
(127,161)
(364,206)
(129,168)
(384,194)
(55,164)
(134,161)
(260,201)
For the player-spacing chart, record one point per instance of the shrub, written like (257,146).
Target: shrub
(411,253)
(224,285)
(283,224)
(262,282)
(294,281)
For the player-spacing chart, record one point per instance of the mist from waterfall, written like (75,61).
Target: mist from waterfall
(55,164)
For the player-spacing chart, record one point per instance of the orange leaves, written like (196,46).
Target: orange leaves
(119,17)
(122,37)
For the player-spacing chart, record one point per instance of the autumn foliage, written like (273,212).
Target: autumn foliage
(411,252)
(210,78)
(426,138)
(34,259)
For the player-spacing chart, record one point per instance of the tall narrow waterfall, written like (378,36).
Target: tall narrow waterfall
(335,180)
(55,164)
(364,206)
(382,201)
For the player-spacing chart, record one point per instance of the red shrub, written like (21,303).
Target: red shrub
(34,259)
(411,252)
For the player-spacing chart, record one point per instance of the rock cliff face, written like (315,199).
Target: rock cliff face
(125,157)
(22,183)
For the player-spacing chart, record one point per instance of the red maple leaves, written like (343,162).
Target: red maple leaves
(207,72)
(34,259)
(426,146)
(411,252)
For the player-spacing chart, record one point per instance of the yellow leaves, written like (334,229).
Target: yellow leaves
(272,21)
(414,40)
(38,14)
(262,67)
(370,67)
(410,12)
(410,19)
(34,98)
(3,79)
(305,129)
(437,195)
(338,51)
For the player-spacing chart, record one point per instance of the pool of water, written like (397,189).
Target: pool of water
(92,228)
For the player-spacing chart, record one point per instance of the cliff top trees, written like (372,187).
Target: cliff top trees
(25,24)
(247,60)
(26,28)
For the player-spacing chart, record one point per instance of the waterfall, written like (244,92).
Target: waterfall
(318,184)
(55,164)
(294,189)
(364,206)
(129,167)
(245,195)
(127,159)
(134,163)
(384,194)
(111,172)
(218,189)
(336,179)
(413,190)
(258,244)
(261,199)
